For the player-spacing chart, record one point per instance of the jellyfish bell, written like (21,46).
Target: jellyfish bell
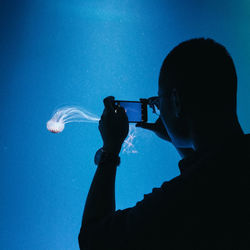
(55,126)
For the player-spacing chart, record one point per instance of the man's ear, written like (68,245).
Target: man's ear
(176,102)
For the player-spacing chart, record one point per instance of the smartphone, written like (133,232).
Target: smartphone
(135,110)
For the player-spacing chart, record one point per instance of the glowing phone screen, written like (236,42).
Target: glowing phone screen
(133,111)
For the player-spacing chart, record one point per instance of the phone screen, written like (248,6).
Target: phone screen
(134,110)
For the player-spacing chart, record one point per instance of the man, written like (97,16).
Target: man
(206,206)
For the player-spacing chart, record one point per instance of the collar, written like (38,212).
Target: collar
(234,144)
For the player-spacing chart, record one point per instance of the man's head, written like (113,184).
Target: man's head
(197,87)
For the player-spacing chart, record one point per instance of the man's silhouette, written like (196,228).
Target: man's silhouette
(207,205)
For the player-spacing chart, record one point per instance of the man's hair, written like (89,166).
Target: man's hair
(204,74)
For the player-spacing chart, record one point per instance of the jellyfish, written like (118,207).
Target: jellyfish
(69,114)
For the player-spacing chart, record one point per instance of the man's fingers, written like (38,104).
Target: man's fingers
(149,126)
(108,103)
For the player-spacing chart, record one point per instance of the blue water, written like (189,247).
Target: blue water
(76,52)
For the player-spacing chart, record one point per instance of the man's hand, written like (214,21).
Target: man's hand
(113,126)
(158,128)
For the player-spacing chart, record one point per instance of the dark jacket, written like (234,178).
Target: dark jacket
(206,207)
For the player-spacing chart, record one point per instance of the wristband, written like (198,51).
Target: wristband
(103,156)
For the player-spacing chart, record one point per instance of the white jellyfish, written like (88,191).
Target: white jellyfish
(69,114)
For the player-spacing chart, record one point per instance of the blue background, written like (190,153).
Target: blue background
(74,52)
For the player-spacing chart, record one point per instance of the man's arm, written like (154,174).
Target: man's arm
(159,129)
(101,198)
(100,202)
